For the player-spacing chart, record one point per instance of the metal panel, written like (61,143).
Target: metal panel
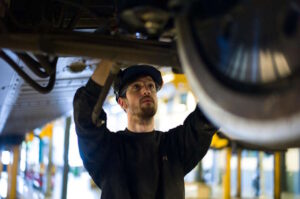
(9,87)
(32,109)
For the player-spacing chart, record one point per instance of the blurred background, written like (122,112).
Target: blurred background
(47,162)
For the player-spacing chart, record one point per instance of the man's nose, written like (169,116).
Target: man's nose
(146,90)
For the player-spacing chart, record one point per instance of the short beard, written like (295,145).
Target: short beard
(147,112)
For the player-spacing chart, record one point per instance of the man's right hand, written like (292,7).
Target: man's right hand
(102,71)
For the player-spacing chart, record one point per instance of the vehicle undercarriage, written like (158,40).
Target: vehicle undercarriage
(241,57)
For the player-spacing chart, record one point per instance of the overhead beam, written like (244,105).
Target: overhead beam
(97,46)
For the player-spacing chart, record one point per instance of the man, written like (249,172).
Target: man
(139,162)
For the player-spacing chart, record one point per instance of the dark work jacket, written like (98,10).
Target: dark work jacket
(127,165)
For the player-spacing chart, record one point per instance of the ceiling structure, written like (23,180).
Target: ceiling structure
(23,108)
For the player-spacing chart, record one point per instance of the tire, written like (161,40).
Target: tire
(265,112)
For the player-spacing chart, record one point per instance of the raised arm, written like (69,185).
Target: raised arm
(95,143)
(192,139)
(86,97)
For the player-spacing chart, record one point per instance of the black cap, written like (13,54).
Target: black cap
(130,74)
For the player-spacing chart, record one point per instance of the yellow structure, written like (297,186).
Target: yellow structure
(47,131)
(226,178)
(277,180)
(13,171)
(29,136)
(218,142)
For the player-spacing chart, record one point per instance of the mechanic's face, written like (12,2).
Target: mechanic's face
(141,99)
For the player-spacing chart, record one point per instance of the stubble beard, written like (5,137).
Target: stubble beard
(147,111)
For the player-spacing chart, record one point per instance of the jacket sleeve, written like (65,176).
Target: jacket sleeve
(191,140)
(95,143)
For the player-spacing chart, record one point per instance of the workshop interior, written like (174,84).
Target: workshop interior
(237,60)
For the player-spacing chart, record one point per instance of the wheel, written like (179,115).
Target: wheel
(243,64)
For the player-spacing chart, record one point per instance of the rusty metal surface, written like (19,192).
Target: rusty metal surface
(30,109)
(96,46)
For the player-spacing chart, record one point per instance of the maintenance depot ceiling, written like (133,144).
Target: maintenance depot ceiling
(23,109)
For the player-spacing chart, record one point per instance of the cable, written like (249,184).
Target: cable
(28,79)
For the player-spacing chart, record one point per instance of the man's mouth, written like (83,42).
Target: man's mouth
(147,100)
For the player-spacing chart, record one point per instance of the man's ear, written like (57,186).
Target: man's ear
(122,102)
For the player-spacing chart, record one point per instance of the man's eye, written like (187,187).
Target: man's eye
(151,86)
(136,86)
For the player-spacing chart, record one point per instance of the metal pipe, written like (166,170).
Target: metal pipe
(93,45)
(239,174)
(33,65)
(74,19)
(79,6)
(66,159)
(44,61)
(9,177)
(28,79)
(260,175)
